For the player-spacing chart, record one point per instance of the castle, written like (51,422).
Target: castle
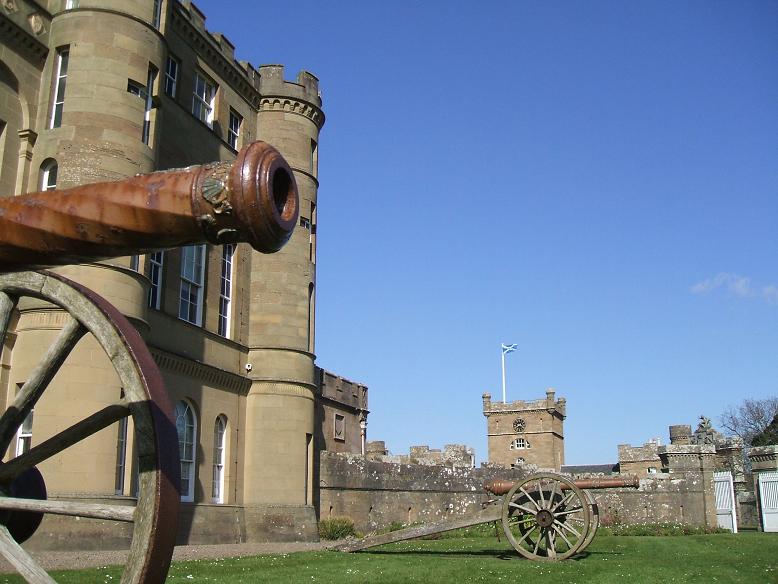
(101,90)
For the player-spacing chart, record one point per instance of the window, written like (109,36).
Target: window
(219,448)
(24,435)
(340,427)
(186,426)
(232,134)
(152,75)
(121,457)
(225,292)
(171,76)
(519,444)
(190,307)
(135,263)
(157,17)
(652,470)
(48,180)
(70,4)
(312,235)
(202,101)
(61,76)
(156,261)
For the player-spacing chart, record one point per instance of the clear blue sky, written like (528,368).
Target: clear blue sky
(595,181)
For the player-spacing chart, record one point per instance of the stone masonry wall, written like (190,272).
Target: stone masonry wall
(374,494)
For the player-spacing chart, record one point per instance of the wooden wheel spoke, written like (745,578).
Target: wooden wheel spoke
(563,501)
(7,304)
(92,510)
(553,494)
(526,494)
(541,535)
(524,508)
(39,380)
(550,543)
(540,494)
(527,534)
(28,568)
(568,528)
(568,511)
(64,440)
(564,537)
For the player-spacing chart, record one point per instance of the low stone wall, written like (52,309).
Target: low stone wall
(661,498)
(375,494)
(199,524)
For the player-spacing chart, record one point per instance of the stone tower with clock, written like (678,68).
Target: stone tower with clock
(530,432)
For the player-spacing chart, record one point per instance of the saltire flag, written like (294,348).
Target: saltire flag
(508,348)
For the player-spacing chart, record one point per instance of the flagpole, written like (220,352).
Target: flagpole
(502,351)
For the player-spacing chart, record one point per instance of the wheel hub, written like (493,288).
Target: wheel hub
(544,518)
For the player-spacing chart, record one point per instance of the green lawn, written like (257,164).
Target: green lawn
(747,557)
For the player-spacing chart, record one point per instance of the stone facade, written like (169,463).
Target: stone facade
(522,432)
(106,89)
(640,460)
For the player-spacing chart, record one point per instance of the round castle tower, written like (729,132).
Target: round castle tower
(280,402)
(96,51)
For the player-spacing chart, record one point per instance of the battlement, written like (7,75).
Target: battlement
(452,455)
(305,87)
(550,403)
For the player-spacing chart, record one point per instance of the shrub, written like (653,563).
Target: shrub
(336,528)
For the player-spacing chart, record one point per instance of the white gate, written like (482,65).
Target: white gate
(725,500)
(768,500)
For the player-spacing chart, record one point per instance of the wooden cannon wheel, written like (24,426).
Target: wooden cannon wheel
(22,500)
(546,517)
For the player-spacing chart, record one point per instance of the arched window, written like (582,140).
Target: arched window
(219,454)
(186,425)
(48,176)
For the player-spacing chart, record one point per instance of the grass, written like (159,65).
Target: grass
(746,558)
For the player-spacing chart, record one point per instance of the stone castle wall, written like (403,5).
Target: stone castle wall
(376,493)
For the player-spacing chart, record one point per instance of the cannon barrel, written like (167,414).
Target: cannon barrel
(253,199)
(501,487)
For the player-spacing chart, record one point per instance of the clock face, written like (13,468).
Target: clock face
(518,425)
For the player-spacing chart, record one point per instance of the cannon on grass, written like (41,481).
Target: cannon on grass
(253,199)
(545,517)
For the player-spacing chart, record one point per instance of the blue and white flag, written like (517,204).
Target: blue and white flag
(508,348)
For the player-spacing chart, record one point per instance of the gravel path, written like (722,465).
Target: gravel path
(95,559)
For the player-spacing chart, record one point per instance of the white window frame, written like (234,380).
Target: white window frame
(203,99)
(233,132)
(121,457)
(226,290)
(219,458)
(172,68)
(60,84)
(24,434)
(190,298)
(148,105)
(519,444)
(156,268)
(49,171)
(186,427)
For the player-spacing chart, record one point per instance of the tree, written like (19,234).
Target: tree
(768,436)
(749,418)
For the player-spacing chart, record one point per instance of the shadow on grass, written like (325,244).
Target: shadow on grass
(499,554)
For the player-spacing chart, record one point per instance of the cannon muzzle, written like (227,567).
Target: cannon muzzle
(253,199)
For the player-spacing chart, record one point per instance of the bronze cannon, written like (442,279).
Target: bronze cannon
(253,199)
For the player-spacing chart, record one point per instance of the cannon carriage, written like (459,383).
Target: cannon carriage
(253,199)
(545,517)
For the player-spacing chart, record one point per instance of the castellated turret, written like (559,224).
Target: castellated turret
(280,403)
